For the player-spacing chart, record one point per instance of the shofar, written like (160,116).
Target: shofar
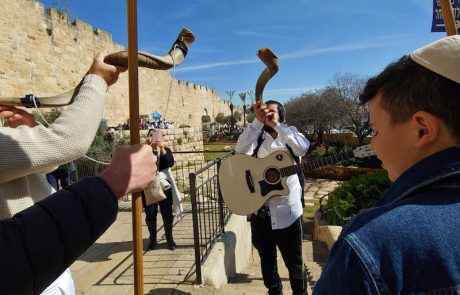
(271,61)
(174,57)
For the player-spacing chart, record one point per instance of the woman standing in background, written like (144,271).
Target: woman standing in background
(166,161)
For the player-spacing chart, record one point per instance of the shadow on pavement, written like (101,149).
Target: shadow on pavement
(167,291)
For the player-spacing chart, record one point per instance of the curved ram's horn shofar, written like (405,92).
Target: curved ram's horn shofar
(174,57)
(271,61)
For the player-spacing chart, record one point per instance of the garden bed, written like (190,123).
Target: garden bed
(339,172)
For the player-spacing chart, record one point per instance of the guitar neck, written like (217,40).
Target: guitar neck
(316,163)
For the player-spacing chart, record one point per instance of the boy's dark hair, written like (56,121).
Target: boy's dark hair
(407,87)
(281,110)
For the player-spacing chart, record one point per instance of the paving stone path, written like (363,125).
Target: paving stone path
(107,266)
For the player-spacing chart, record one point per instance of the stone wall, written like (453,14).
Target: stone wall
(44,54)
(181,140)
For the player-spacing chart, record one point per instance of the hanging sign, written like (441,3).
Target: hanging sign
(438,20)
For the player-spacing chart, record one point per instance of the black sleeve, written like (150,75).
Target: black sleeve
(166,160)
(39,243)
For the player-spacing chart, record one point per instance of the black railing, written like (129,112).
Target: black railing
(181,170)
(330,214)
(209,212)
(198,181)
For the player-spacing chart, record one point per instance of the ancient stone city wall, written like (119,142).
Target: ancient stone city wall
(44,54)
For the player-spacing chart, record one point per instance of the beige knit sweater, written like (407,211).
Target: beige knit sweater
(27,153)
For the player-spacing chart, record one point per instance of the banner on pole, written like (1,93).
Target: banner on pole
(438,21)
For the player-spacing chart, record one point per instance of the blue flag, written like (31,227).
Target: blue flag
(155,115)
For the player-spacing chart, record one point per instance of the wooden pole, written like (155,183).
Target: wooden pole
(135,139)
(449,18)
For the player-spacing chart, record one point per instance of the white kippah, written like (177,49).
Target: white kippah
(441,57)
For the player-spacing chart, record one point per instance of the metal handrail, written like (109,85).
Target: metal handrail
(209,213)
(332,215)
(207,227)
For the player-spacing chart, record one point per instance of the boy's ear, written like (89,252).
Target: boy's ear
(427,127)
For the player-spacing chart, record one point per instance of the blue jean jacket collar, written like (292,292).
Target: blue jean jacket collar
(438,166)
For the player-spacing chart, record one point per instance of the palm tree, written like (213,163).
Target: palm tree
(251,96)
(243,99)
(230,94)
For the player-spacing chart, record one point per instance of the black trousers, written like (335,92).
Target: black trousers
(289,242)
(165,205)
(59,178)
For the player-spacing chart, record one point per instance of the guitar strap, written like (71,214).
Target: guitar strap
(301,176)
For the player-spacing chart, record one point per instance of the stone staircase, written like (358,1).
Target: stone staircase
(250,281)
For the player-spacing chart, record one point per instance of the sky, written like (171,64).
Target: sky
(314,39)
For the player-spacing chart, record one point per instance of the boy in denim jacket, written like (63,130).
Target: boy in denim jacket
(409,243)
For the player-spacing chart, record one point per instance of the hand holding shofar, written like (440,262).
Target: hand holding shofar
(271,61)
(174,57)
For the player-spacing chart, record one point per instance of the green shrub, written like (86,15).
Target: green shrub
(205,119)
(339,145)
(332,150)
(103,143)
(48,117)
(358,193)
(315,154)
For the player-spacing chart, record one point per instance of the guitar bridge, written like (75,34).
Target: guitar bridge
(249,181)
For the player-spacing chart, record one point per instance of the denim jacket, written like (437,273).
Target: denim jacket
(409,243)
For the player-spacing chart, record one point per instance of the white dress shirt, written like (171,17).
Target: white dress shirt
(284,210)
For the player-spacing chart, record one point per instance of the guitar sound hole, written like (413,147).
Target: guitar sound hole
(272,175)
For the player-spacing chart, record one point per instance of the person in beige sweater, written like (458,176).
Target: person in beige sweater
(27,153)
(38,243)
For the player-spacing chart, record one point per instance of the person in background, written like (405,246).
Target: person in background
(161,124)
(29,150)
(166,161)
(409,242)
(60,178)
(279,222)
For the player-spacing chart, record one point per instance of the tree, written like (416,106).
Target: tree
(47,118)
(243,99)
(103,143)
(251,96)
(349,86)
(230,94)
(220,118)
(236,117)
(205,119)
(316,112)
(250,116)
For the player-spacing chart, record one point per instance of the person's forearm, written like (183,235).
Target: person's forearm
(38,243)
(294,139)
(29,150)
(247,141)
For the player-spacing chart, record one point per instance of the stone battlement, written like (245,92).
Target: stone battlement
(45,54)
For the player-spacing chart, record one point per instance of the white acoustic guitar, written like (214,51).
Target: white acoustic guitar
(247,182)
